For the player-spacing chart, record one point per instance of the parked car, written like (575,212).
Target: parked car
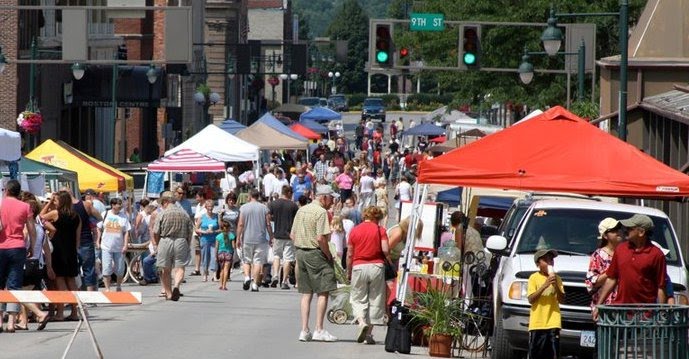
(338,102)
(373,108)
(309,101)
(323,102)
(569,226)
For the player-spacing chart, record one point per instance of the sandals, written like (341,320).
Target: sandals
(43,323)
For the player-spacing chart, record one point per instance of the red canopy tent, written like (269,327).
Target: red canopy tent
(186,160)
(304,131)
(556,151)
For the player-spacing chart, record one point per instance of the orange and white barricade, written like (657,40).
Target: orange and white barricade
(77,297)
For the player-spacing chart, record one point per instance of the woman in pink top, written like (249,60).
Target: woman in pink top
(345,182)
(14,216)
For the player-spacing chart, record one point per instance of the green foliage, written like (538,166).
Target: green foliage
(318,14)
(442,314)
(204,89)
(351,24)
(585,109)
(356,99)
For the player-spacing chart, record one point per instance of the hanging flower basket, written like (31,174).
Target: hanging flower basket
(30,122)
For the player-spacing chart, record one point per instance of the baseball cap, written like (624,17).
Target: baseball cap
(90,192)
(541,252)
(323,190)
(638,220)
(664,250)
(606,225)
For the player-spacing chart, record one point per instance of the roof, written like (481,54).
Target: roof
(672,104)
(558,152)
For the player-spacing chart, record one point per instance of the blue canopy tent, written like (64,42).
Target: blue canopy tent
(488,206)
(314,126)
(231,126)
(320,114)
(274,123)
(424,129)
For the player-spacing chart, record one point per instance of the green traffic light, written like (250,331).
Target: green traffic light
(382,56)
(469,58)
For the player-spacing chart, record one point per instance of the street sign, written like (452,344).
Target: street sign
(426,22)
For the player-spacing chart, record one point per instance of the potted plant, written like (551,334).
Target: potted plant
(443,317)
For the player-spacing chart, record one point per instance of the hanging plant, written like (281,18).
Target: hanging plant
(30,121)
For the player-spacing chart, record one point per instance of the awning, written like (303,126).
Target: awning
(424,129)
(186,160)
(93,174)
(304,131)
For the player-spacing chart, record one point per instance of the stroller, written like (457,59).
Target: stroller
(340,309)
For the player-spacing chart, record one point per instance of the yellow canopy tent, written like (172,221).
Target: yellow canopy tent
(93,174)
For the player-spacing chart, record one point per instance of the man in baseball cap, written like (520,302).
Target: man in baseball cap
(637,268)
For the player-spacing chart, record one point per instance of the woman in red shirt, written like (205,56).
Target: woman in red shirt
(367,249)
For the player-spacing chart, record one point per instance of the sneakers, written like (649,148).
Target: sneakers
(304,336)
(246,284)
(254,287)
(284,286)
(369,340)
(363,333)
(274,283)
(323,336)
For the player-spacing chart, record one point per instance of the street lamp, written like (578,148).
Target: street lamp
(552,37)
(151,74)
(78,71)
(526,69)
(333,76)
(206,98)
(287,77)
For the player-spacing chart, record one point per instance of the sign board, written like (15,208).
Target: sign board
(576,33)
(432,213)
(426,22)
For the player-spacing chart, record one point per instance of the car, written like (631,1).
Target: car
(323,102)
(373,108)
(569,226)
(338,102)
(310,101)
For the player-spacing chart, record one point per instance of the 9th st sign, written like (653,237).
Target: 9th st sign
(426,22)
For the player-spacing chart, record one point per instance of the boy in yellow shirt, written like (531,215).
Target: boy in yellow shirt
(545,293)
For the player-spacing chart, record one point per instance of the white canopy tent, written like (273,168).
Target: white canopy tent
(10,145)
(218,144)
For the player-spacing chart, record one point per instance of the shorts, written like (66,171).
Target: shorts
(314,273)
(113,262)
(172,252)
(195,243)
(255,253)
(283,249)
(225,257)
(544,343)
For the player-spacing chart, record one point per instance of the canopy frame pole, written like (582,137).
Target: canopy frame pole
(145,192)
(415,216)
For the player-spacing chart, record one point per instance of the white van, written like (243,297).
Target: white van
(571,227)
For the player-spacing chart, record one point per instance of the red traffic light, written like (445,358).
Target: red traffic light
(404,52)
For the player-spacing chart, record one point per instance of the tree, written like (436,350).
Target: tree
(351,24)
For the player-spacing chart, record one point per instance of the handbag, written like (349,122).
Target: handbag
(390,270)
(32,268)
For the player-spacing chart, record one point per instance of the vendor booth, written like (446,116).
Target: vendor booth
(220,145)
(275,124)
(38,177)
(269,138)
(304,131)
(231,126)
(93,174)
(320,115)
(314,126)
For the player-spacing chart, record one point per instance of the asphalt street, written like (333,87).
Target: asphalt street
(205,323)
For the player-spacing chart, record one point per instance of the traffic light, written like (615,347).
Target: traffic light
(404,52)
(470,54)
(121,52)
(384,47)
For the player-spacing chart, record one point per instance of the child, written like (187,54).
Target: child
(224,251)
(545,293)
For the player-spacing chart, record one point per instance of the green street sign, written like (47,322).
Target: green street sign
(426,22)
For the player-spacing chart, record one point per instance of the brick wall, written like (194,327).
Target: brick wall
(159,53)
(9,78)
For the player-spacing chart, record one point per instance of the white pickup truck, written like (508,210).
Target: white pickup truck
(571,227)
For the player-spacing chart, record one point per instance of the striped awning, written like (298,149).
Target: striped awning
(186,160)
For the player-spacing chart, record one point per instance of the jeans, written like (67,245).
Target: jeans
(207,256)
(87,253)
(12,273)
(149,269)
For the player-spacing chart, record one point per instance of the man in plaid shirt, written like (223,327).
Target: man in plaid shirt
(321,168)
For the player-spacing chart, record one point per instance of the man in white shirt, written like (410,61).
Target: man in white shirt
(113,242)
(268,182)
(279,181)
(366,187)
(229,183)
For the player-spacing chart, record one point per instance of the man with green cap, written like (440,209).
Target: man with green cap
(637,268)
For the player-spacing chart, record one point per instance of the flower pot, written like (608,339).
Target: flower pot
(440,345)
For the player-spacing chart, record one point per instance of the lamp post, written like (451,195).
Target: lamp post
(206,98)
(552,39)
(333,76)
(526,69)
(287,77)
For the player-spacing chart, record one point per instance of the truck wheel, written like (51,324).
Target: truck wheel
(501,348)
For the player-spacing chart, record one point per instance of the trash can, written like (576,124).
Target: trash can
(643,331)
